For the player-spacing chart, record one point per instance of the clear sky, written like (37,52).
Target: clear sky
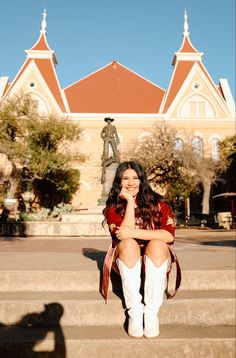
(143,35)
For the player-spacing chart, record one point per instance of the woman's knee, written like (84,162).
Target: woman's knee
(128,251)
(128,246)
(157,251)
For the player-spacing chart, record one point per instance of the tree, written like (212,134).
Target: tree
(39,145)
(173,165)
(164,162)
(228,147)
(207,171)
(228,153)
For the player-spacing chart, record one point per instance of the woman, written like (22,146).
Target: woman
(142,225)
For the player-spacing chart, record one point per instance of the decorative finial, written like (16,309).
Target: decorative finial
(44,24)
(185,33)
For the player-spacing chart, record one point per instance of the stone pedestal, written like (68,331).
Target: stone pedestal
(110,173)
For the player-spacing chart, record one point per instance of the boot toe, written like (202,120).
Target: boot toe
(135,328)
(151,326)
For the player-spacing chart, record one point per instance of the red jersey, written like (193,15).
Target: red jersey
(165,221)
(166,218)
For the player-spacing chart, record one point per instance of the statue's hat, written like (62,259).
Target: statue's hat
(108,119)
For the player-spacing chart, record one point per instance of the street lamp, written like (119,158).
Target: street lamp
(27,189)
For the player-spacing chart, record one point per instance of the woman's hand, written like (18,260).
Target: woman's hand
(125,232)
(124,194)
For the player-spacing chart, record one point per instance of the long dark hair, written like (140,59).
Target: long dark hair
(147,199)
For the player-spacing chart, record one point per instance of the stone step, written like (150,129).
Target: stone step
(88,308)
(90,280)
(113,342)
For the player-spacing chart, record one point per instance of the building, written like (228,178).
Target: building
(192,101)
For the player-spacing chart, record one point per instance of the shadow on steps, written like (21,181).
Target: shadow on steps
(22,339)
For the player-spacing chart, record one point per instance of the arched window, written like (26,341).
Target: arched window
(40,103)
(197,146)
(178,144)
(215,148)
(197,107)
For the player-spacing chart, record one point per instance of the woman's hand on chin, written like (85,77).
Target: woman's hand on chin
(124,194)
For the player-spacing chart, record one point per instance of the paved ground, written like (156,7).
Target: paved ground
(196,249)
(208,252)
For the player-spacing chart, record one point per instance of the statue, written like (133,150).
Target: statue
(110,140)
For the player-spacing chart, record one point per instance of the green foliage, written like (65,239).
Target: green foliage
(60,209)
(45,214)
(42,215)
(12,122)
(179,171)
(228,153)
(228,147)
(2,195)
(43,144)
(163,163)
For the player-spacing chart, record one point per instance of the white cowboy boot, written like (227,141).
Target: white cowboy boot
(154,286)
(131,281)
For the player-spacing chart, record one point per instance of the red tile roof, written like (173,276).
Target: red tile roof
(114,89)
(41,44)
(187,45)
(181,72)
(46,68)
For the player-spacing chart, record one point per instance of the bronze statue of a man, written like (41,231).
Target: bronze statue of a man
(110,138)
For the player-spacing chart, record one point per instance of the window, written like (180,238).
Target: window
(197,107)
(39,102)
(197,146)
(31,84)
(178,144)
(215,147)
(196,86)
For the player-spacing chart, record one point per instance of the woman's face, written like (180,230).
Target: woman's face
(130,181)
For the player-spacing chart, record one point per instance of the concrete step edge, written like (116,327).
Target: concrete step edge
(120,333)
(182,295)
(90,280)
(199,311)
(102,342)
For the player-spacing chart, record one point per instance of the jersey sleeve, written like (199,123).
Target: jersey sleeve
(167,221)
(113,219)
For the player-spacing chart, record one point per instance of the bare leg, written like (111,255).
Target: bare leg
(158,252)
(128,251)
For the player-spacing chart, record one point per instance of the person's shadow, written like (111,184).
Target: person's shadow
(21,339)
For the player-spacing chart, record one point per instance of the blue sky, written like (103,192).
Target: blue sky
(140,34)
